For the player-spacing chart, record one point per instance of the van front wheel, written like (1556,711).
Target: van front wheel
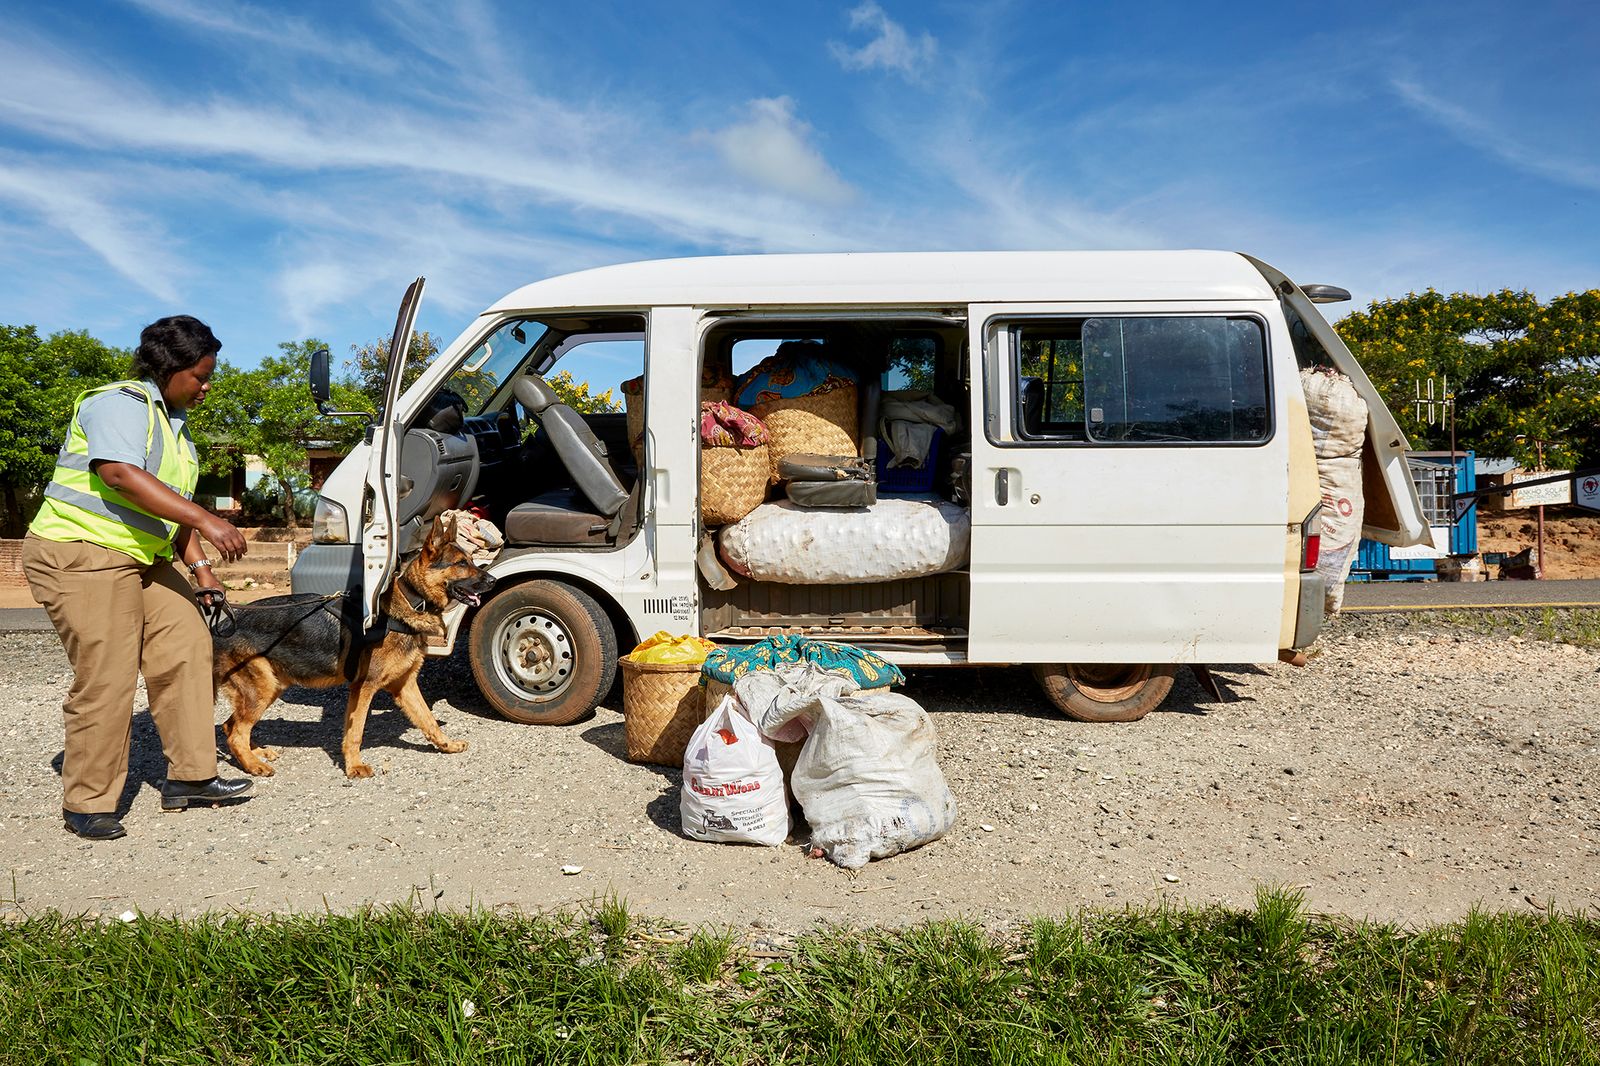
(1105,692)
(543,653)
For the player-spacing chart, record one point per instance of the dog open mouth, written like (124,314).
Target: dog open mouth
(470,592)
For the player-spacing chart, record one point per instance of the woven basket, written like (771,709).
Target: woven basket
(662,704)
(819,424)
(733,482)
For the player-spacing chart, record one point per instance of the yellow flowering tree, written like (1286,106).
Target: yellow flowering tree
(1522,371)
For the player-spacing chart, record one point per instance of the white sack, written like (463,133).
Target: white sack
(1337,411)
(1342,509)
(891,539)
(732,783)
(868,775)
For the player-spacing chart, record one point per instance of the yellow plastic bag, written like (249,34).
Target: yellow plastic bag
(666,648)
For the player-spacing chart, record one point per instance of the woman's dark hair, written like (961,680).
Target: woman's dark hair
(171,344)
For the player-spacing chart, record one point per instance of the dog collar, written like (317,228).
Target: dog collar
(404,586)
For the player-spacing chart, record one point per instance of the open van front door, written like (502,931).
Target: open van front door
(378,538)
(1394,514)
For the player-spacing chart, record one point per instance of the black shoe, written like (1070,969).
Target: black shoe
(93,826)
(178,795)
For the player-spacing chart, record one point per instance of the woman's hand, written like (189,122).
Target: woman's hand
(223,535)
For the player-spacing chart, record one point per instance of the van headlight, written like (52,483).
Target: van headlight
(329,524)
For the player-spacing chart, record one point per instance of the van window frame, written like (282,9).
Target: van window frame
(1000,331)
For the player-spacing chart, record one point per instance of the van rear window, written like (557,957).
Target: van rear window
(1113,380)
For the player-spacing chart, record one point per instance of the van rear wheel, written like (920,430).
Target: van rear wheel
(1105,692)
(543,653)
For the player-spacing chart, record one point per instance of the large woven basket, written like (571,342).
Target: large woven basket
(733,482)
(662,703)
(820,424)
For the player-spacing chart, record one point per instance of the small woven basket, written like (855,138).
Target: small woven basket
(662,703)
(733,482)
(823,423)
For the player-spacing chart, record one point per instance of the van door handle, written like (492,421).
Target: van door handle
(1002,486)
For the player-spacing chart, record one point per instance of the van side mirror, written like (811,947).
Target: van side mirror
(320,390)
(321,387)
(1325,294)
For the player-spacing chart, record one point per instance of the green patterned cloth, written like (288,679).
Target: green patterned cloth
(866,669)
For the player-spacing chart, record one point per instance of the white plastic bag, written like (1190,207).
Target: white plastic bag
(732,783)
(868,777)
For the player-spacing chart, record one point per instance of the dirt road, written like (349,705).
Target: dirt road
(1404,775)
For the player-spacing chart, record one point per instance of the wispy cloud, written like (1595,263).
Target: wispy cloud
(891,47)
(1478,132)
(773,148)
(128,243)
(634,180)
(234,18)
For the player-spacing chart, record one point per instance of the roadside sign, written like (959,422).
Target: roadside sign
(1586,492)
(1556,492)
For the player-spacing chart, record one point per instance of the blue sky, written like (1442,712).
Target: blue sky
(282,170)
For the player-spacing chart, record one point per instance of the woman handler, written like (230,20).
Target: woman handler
(99,557)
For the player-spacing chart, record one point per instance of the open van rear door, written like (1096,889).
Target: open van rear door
(378,541)
(1394,514)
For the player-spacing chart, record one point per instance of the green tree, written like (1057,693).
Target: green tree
(268,412)
(1525,375)
(369,364)
(576,395)
(39,381)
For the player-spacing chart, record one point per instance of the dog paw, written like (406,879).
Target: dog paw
(450,747)
(358,770)
(268,754)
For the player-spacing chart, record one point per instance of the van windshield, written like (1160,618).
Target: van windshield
(493,361)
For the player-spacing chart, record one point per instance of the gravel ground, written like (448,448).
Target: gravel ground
(1407,775)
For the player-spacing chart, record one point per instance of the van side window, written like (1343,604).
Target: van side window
(913,360)
(1200,379)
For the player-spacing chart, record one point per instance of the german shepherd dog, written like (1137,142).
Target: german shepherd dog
(308,640)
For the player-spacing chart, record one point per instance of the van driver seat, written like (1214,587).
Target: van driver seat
(560,517)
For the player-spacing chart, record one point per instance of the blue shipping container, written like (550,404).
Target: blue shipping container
(1431,473)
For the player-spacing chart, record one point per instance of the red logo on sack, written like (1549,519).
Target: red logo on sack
(732,788)
(1346,508)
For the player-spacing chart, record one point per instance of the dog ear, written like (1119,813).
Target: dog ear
(441,536)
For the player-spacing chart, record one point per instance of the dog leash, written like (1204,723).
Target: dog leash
(219,613)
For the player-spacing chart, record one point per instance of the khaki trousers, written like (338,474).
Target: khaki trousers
(119,619)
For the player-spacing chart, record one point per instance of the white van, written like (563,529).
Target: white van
(1141,486)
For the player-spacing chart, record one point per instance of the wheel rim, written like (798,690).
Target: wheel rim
(533,656)
(1108,682)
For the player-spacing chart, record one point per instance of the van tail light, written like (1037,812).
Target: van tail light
(1311,540)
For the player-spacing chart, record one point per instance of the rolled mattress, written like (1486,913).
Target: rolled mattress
(891,539)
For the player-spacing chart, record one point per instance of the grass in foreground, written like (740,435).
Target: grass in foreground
(1166,986)
(1570,625)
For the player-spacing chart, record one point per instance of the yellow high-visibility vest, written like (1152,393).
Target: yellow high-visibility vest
(79,506)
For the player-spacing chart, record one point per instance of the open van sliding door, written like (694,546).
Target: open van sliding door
(379,551)
(1129,483)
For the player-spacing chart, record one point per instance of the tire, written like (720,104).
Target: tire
(543,653)
(1105,692)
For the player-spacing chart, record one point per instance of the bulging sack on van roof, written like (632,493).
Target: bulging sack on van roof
(890,540)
